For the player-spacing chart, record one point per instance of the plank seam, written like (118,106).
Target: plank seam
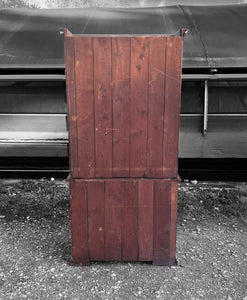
(112,121)
(77,159)
(138,210)
(104,222)
(130,98)
(87,223)
(148,97)
(164,129)
(121,223)
(153,220)
(93,107)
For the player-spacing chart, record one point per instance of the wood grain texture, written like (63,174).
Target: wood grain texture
(71,104)
(139,106)
(121,104)
(103,106)
(126,121)
(129,220)
(157,52)
(173,220)
(172,106)
(145,220)
(127,106)
(79,219)
(85,106)
(96,220)
(113,220)
(124,220)
(162,222)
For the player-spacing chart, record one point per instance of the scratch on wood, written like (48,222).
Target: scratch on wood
(154,75)
(118,80)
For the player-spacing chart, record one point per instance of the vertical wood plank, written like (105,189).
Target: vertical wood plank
(156,107)
(172,106)
(103,106)
(139,106)
(129,195)
(85,106)
(96,220)
(145,220)
(71,103)
(78,214)
(173,231)
(113,236)
(121,102)
(162,218)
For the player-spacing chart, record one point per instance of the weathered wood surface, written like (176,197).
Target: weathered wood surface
(123,102)
(126,108)
(96,213)
(102,106)
(165,222)
(124,220)
(172,106)
(69,48)
(79,222)
(139,106)
(145,219)
(156,107)
(85,108)
(121,105)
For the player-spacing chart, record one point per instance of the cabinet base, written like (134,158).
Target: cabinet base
(123,220)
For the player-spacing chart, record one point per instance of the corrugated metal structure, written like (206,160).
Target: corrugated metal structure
(214,90)
(29,38)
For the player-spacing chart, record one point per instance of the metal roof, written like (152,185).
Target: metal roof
(217,34)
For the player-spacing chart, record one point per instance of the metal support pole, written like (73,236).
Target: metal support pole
(205,112)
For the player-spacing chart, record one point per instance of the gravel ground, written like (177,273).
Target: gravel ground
(35,248)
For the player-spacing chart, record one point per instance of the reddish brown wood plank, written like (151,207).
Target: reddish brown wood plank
(103,106)
(129,196)
(162,222)
(85,106)
(173,231)
(157,47)
(145,219)
(172,106)
(78,214)
(71,104)
(113,220)
(96,220)
(121,102)
(139,106)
